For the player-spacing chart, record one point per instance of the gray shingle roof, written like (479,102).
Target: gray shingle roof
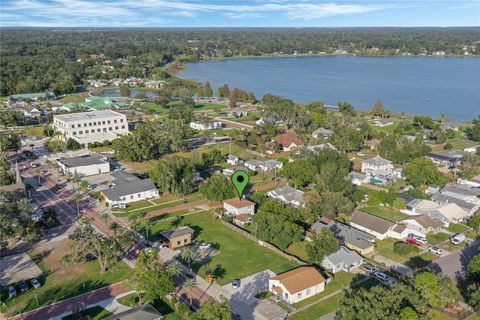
(127,184)
(377,161)
(169,234)
(462,189)
(347,234)
(290,194)
(343,255)
(443,198)
(145,312)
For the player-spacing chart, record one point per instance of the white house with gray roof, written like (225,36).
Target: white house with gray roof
(263,165)
(378,167)
(288,196)
(128,188)
(444,212)
(463,192)
(84,165)
(358,178)
(342,260)
(468,206)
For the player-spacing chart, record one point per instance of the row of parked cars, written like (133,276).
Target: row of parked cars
(418,241)
(23,287)
(377,273)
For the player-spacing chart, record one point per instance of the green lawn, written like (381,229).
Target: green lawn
(299,250)
(93,313)
(239,256)
(208,106)
(421,260)
(437,238)
(61,281)
(457,228)
(385,213)
(340,280)
(385,248)
(74,98)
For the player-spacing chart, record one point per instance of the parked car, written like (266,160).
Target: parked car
(458,238)
(368,267)
(23,286)
(413,241)
(12,292)
(420,239)
(205,245)
(435,250)
(235,283)
(381,276)
(35,283)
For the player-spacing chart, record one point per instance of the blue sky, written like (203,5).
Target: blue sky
(238,13)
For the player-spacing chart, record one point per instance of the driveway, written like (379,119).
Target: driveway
(398,267)
(244,303)
(455,264)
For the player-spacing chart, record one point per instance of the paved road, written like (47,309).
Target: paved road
(63,306)
(454,265)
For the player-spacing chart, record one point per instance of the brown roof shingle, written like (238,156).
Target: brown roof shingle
(426,222)
(239,203)
(371,222)
(300,279)
(286,139)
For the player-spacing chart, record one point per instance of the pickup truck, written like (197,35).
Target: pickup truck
(458,238)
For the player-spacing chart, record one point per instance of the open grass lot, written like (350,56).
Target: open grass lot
(340,280)
(238,256)
(385,213)
(421,260)
(208,106)
(328,305)
(457,228)
(93,313)
(437,238)
(224,148)
(299,250)
(62,281)
(141,167)
(73,98)
(385,248)
(166,198)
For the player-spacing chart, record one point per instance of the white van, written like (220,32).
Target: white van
(458,238)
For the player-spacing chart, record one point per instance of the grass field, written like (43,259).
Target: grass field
(437,238)
(385,213)
(238,256)
(298,249)
(421,260)
(457,228)
(73,98)
(93,313)
(62,281)
(385,248)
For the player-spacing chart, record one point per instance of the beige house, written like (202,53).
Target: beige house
(297,285)
(422,224)
(378,227)
(179,237)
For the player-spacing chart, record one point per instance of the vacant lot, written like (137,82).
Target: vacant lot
(385,213)
(239,257)
(437,238)
(61,281)
(385,248)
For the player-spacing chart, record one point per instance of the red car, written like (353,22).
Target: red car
(413,241)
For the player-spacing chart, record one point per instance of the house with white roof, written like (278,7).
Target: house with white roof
(342,260)
(358,178)
(233,159)
(297,284)
(202,126)
(322,132)
(288,196)
(446,212)
(320,147)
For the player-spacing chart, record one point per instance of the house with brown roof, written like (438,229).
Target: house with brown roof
(422,224)
(236,207)
(288,141)
(376,226)
(298,284)
(178,238)
(242,219)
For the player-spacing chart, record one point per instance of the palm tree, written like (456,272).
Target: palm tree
(174,269)
(190,284)
(188,255)
(114,226)
(77,197)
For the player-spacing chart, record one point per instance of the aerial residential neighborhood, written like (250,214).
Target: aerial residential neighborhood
(138,183)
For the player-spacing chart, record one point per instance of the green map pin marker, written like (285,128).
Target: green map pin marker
(240,180)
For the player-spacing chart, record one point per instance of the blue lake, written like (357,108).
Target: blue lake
(417,85)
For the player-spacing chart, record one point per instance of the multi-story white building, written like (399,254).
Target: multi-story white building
(89,127)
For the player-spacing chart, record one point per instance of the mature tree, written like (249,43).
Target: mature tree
(473,132)
(212,157)
(473,296)
(190,284)
(347,138)
(214,310)
(9,141)
(302,172)
(408,313)
(322,245)
(150,279)
(218,188)
(473,268)
(335,203)
(276,228)
(424,122)
(422,171)
(108,250)
(400,150)
(73,144)
(6,176)
(437,289)
(16,220)
(332,178)
(346,108)
(378,109)
(12,118)
(313,202)
(207,90)
(181,112)
(124,90)
(174,174)
(223,91)
(55,145)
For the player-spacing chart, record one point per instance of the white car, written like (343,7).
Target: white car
(435,250)
(205,245)
(422,240)
(381,276)
(35,283)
